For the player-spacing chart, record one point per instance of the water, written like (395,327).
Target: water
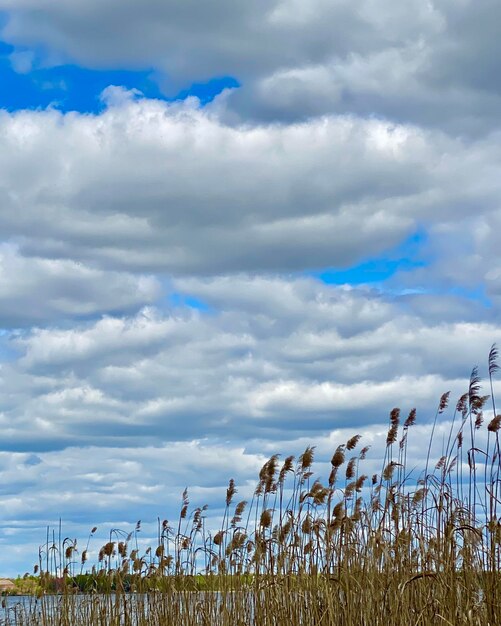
(16,609)
(129,609)
(28,610)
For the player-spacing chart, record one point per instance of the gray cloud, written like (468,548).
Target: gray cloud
(125,411)
(113,488)
(158,187)
(305,359)
(434,63)
(37,290)
(147,186)
(199,41)
(110,488)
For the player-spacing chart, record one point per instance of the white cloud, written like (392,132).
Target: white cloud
(432,63)
(307,358)
(379,121)
(22,61)
(34,290)
(147,186)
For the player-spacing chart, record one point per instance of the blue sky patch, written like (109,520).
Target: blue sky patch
(185,300)
(8,352)
(73,88)
(405,257)
(206,92)
(477,294)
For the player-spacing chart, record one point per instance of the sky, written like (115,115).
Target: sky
(231,229)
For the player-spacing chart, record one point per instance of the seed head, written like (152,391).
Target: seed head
(391,437)
(338,457)
(306,459)
(494,424)
(395,416)
(461,404)
(286,467)
(493,357)
(266,518)
(360,482)
(411,419)
(350,468)
(230,492)
(363,452)
(351,443)
(444,401)
(338,510)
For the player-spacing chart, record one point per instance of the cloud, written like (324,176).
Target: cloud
(121,486)
(146,186)
(161,325)
(22,61)
(243,39)
(303,360)
(37,290)
(117,415)
(121,189)
(110,488)
(434,64)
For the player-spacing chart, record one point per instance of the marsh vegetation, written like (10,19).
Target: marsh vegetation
(402,546)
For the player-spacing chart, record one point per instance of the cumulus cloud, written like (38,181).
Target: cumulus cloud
(238,38)
(305,361)
(147,186)
(110,488)
(432,63)
(37,290)
(115,487)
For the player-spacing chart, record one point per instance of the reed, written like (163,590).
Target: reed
(401,548)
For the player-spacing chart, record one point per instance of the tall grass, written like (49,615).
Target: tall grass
(398,547)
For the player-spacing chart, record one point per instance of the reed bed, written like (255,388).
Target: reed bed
(398,547)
